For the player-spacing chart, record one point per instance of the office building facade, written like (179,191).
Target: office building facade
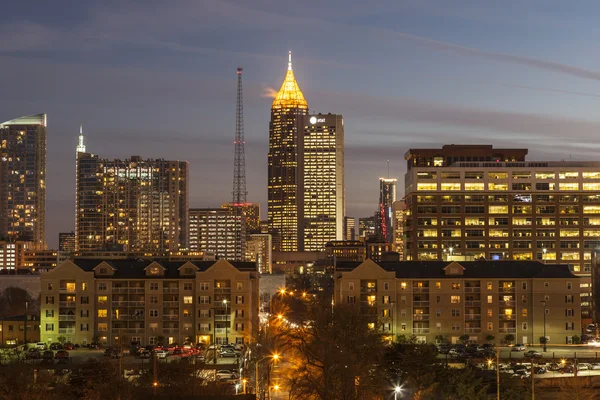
(259,249)
(66,242)
(12,255)
(131,205)
(322,211)
(149,302)
(398,210)
(218,231)
(429,299)
(387,197)
(349,228)
(23,180)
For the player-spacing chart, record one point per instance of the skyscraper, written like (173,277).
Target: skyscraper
(132,204)
(387,197)
(66,242)
(23,179)
(287,112)
(322,175)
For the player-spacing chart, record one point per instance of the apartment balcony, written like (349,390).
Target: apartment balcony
(368,310)
(137,303)
(368,290)
(67,317)
(170,303)
(204,331)
(222,290)
(119,330)
(136,330)
(473,289)
(473,330)
(221,331)
(507,330)
(119,303)
(170,289)
(421,317)
(128,318)
(222,318)
(65,290)
(507,303)
(67,303)
(421,303)
(420,330)
(473,303)
(66,330)
(170,317)
(417,289)
(170,330)
(136,290)
(119,290)
(504,317)
(472,317)
(507,289)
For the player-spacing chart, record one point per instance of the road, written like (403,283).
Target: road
(588,353)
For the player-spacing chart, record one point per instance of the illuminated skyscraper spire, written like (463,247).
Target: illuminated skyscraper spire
(80,145)
(290,95)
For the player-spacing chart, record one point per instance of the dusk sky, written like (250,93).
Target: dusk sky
(157,79)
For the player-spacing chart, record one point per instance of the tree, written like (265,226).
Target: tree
(509,338)
(490,338)
(441,339)
(464,338)
(12,302)
(543,340)
(576,339)
(334,356)
(61,339)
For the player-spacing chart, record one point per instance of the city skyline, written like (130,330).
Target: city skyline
(433,74)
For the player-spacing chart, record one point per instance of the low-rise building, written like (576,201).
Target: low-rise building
(149,301)
(12,329)
(431,299)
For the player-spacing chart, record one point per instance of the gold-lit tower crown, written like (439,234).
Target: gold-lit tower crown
(290,95)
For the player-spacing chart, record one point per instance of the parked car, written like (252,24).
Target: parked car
(519,347)
(68,346)
(40,346)
(443,348)
(238,347)
(532,354)
(162,353)
(33,354)
(454,352)
(108,351)
(61,354)
(177,351)
(227,353)
(144,354)
(567,369)
(226,374)
(583,366)
(56,346)
(596,366)
(539,370)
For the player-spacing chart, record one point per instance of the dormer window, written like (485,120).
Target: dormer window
(102,271)
(154,271)
(188,271)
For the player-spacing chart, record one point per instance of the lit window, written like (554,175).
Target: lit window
(102,313)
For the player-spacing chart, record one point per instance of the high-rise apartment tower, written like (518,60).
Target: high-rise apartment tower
(23,179)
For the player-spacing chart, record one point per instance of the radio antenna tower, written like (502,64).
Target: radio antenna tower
(239,167)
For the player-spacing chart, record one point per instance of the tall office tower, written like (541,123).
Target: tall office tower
(322,166)
(287,116)
(366,226)
(23,179)
(387,197)
(349,228)
(491,203)
(398,208)
(260,250)
(131,205)
(216,231)
(251,215)
(66,242)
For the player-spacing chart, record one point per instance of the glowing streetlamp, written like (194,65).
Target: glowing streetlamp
(451,250)
(544,250)
(397,390)
(274,357)
(226,322)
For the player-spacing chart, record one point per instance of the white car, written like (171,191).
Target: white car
(224,374)
(162,353)
(519,347)
(40,346)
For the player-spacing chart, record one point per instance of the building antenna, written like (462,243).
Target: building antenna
(239,167)
(388,162)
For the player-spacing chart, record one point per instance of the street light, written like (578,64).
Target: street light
(451,250)
(226,322)
(397,389)
(544,304)
(274,357)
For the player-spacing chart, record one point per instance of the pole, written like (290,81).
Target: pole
(226,323)
(498,373)
(256,377)
(532,381)
(545,348)
(214,310)
(25,327)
